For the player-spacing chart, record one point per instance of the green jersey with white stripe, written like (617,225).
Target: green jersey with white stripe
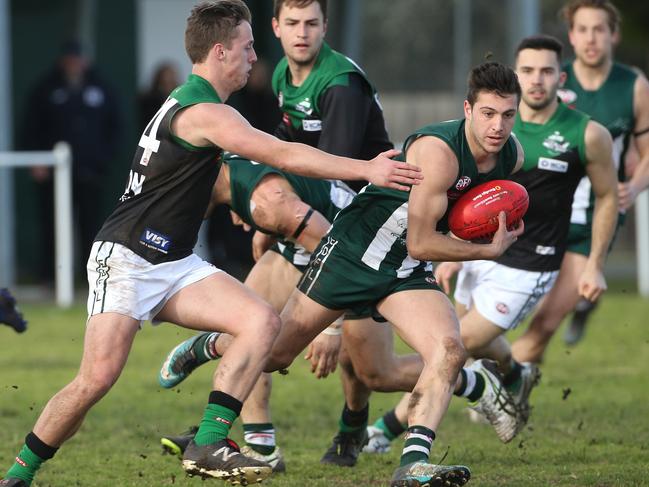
(612,106)
(373,229)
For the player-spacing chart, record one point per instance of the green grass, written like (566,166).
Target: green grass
(596,436)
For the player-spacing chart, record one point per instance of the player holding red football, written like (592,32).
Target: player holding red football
(374,259)
(561,145)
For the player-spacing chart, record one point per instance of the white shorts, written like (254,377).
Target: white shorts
(503,295)
(121,281)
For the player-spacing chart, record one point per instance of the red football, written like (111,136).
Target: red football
(475,215)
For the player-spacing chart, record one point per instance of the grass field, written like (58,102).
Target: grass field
(590,425)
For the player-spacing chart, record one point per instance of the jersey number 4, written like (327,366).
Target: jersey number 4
(150,143)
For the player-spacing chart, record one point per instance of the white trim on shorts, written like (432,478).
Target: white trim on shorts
(120,281)
(503,295)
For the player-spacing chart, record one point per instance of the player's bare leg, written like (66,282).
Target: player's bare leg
(368,363)
(561,300)
(252,325)
(427,322)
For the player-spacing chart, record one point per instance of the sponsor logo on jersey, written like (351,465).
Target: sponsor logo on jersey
(312,125)
(567,96)
(554,165)
(556,144)
(543,250)
(155,240)
(463,183)
(502,308)
(305,107)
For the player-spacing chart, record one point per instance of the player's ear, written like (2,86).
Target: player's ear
(324,26)
(275,25)
(219,51)
(563,76)
(616,37)
(467,109)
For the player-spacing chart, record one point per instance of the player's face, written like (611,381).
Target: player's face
(539,76)
(491,119)
(591,37)
(239,57)
(301,32)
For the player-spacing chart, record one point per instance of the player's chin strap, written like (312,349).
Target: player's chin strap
(300,228)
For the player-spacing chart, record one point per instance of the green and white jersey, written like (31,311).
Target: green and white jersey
(336,108)
(326,197)
(169,184)
(373,229)
(555,157)
(612,106)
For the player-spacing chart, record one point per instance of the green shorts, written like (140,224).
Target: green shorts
(579,238)
(299,261)
(337,280)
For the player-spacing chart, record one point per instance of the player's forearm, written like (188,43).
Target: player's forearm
(437,247)
(304,160)
(604,222)
(640,178)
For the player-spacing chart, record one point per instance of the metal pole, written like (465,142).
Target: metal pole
(64,248)
(523,20)
(461,47)
(642,241)
(352,29)
(7,211)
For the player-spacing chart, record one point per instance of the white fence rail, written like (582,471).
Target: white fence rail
(61,159)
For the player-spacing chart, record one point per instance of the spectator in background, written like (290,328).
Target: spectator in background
(72,103)
(165,79)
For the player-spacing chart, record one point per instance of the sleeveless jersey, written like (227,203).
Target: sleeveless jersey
(555,157)
(300,105)
(373,229)
(169,185)
(612,106)
(326,197)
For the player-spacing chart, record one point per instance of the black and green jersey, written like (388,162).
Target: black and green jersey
(335,109)
(374,227)
(169,184)
(326,197)
(555,157)
(612,106)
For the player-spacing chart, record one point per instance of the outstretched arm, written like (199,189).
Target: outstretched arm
(221,125)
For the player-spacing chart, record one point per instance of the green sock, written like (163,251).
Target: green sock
(219,415)
(390,425)
(353,421)
(260,437)
(419,441)
(204,347)
(33,453)
(472,385)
